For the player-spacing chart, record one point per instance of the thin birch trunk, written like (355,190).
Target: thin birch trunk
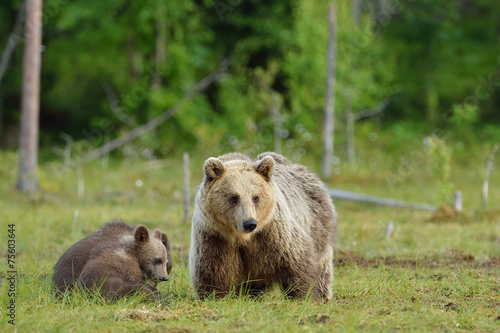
(351,154)
(356,11)
(30,102)
(187,197)
(329,115)
(489,167)
(277,121)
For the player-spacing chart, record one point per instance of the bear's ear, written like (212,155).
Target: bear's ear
(265,167)
(156,234)
(162,237)
(213,168)
(165,241)
(141,234)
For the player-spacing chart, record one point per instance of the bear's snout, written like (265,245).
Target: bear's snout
(249,225)
(164,278)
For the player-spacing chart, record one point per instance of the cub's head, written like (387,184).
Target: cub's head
(153,253)
(238,195)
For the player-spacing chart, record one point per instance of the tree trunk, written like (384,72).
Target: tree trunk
(187,194)
(489,167)
(432,104)
(277,121)
(356,197)
(30,102)
(351,154)
(161,38)
(329,120)
(356,11)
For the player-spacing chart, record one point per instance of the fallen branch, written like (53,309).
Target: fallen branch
(351,196)
(489,167)
(155,122)
(113,104)
(372,112)
(14,37)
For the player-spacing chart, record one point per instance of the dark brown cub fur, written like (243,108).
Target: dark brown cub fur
(117,260)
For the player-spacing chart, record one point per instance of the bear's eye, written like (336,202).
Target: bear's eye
(234,199)
(158,261)
(256,199)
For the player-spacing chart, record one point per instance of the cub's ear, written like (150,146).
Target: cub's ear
(213,168)
(141,234)
(162,237)
(165,241)
(265,167)
(156,234)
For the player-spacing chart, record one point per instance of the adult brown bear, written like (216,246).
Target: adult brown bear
(262,222)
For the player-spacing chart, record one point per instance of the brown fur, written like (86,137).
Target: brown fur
(118,260)
(294,239)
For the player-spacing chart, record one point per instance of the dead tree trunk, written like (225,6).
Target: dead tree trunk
(160,40)
(351,155)
(277,121)
(187,196)
(356,11)
(489,167)
(457,202)
(329,115)
(356,197)
(30,102)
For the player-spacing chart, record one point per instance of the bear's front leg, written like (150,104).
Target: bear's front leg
(216,267)
(115,287)
(299,283)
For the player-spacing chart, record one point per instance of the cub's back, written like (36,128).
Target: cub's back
(70,265)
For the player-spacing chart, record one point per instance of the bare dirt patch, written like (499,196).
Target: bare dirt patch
(450,259)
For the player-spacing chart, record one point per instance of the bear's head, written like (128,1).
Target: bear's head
(238,195)
(153,253)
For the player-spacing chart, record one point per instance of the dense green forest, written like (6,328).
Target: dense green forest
(110,66)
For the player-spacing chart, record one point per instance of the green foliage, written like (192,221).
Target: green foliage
(464,116)
(427,56)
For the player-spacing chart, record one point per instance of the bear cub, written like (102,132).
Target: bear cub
(262,222)
(117,260)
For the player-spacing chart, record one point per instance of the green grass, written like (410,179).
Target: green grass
(428,276)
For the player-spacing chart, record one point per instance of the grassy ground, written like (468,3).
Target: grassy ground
(430,275)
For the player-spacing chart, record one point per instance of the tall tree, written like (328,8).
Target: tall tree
(329,120)
(30,101)
(356,11)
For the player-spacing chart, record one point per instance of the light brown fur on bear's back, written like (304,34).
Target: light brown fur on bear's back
(295,222)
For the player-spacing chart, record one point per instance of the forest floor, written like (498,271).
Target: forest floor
(431,274)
